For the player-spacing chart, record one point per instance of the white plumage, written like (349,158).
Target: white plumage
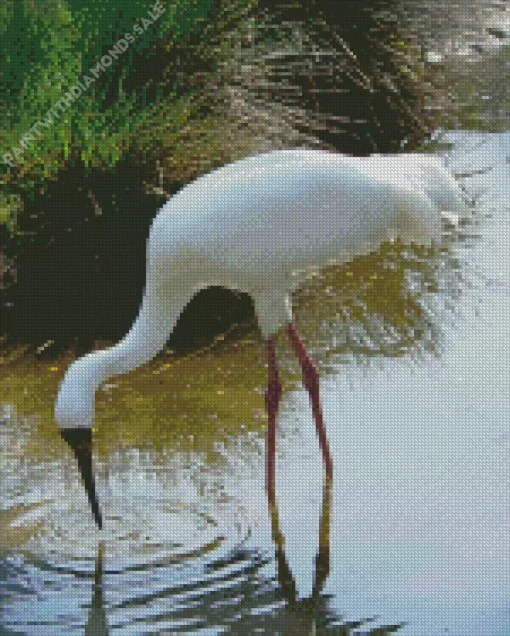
(260,225)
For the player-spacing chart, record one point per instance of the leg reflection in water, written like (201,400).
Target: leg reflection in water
(304,612)
(97,624)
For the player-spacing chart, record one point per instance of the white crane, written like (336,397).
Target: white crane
(260,225)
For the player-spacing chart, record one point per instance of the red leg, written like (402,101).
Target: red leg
(273,393)
(311,383)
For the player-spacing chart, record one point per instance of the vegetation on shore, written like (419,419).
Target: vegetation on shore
(180,88)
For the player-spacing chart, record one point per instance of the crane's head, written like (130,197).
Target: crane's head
(74,413)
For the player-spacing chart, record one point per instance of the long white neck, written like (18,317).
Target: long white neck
(145,339)
(148,335)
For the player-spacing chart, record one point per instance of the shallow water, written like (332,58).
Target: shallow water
(412,534)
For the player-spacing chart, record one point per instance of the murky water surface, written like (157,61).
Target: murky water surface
(411,536)
(413,531)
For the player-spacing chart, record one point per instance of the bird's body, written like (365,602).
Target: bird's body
(260,225)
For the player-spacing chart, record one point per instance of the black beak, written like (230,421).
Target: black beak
(80,440)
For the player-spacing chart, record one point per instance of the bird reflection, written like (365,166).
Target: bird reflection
(303,616)
(170,604)
(303,613)
(97,624)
